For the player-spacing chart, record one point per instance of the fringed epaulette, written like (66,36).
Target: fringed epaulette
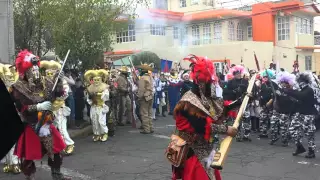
(187,107)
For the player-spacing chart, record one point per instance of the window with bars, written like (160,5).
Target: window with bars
(184,36)
(249,29)
(175,32)
(283,28)
(217,32)
(157,30)
(304,25)
(195,35)
(239,32)
(219,67)
(308,63)
(207,33)
(231,35)
(208,2)
(127,36)
(183,3)
(161,4)
(195,2)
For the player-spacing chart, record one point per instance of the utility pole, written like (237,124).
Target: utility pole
(7,32)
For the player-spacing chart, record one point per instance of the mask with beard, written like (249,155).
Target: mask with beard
(33,76)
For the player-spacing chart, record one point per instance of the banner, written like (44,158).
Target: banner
(166,65)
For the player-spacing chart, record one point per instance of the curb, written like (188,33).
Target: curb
(84,132)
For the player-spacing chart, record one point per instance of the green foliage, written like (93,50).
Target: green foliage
(146,57)
(86,27)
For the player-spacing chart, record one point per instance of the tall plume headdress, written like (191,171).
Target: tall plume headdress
(26,60)
(202,69)
(287,78)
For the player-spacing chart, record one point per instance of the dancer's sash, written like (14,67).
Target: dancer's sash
(220,156)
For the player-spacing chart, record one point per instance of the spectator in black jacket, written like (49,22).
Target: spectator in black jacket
(303,119)
(79,101)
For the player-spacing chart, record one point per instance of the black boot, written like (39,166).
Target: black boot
(300,149)
(57,175)
(273,141)
(310,154)
(285,143)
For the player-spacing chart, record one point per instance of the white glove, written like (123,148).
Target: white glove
(61,75)
(44,106)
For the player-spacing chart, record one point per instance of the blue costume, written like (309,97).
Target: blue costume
(173,91)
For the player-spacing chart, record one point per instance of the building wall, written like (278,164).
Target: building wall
(174,5)
(7,33)
(264,41)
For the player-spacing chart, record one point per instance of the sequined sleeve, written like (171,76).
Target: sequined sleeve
(32,108)
(219,128)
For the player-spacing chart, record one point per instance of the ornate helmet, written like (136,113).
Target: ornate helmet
(89,75)
(26,60)
(8,73)
(104,74)
(96,75)
(50,67)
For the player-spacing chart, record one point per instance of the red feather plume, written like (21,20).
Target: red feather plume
(203,69)
(23,62)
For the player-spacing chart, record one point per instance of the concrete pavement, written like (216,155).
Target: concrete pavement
(133,156)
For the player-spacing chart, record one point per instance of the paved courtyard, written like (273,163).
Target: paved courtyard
(133,156)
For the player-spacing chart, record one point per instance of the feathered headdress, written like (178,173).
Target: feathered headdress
(237,69)
(304,77)
(202,69)
(286,78)
(271,73)
(24,62)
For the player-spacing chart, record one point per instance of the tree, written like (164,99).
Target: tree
(86,27)
(29,26)
(146,57)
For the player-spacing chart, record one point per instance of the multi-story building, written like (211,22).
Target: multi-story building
(275,31)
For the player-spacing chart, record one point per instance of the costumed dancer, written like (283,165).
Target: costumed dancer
(232,93)
(60,110)
(197,121)
(156,97)
(111,123)
(145,98)
(11,161)
(114,99)
(124,98)
(98,94)
(164,94)
(32,95)
(174,86)
(283,107)
(266,101)
(253,106)
(303,119)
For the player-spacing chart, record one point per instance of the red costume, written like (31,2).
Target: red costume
(32,95)
(197,115)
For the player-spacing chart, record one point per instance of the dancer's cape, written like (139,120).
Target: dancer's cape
(11,125)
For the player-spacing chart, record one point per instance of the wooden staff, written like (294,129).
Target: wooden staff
(220,156)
